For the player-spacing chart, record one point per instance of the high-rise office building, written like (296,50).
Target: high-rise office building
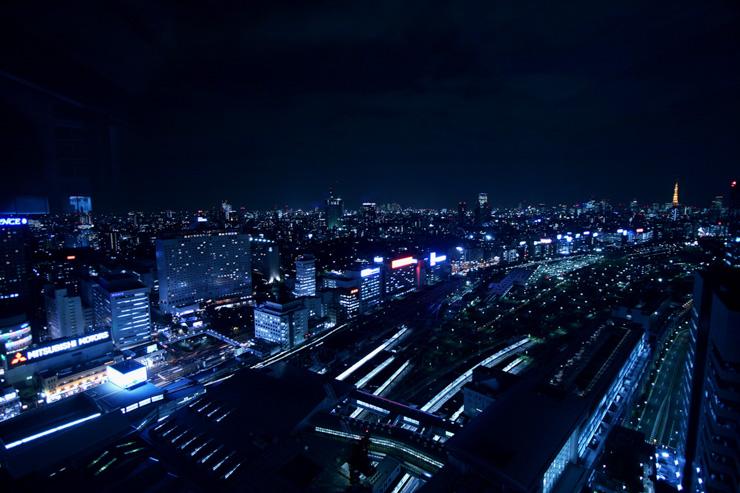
(305,276)
(370,288)
(64,314)
(482,200)
(13,258)
(285,324)
(401,276)
(483,211)
(334,211)
(265,258)
(435,268)
(349,300)
(122,305)
(201,266)
(712,386)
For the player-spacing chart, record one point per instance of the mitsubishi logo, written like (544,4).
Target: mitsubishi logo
(18,358)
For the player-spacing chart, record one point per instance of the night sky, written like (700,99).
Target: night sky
(422,103)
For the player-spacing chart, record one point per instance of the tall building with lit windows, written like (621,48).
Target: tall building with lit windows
(284,324)
(712,385)
(202,265)
(305,276)
(121,304)
(64,314)
(370,288)
(13,258)
(334,211)
(265,258)
(401,276)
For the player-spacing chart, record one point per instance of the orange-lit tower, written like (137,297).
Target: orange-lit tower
(675,194)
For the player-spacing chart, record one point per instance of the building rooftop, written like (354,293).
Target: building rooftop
(257,446)
(515,439)
(279,308)
(120,282)
(491,381)
(110,397)
(127,366)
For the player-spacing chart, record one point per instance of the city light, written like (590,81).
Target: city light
(402,262)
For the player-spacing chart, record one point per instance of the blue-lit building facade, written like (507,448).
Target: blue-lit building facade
(284,324)
(711,386)
(200,266)
(436,268)
(576,447)
(356,291)
(534,431)
(121,304)
(305,276)
(370,288)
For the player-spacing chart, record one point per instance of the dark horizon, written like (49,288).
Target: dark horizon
(265,105)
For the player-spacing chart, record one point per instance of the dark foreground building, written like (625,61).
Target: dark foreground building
(712,384)
(544,434)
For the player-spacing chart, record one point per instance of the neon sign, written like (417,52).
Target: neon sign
(435,259)
(369,271)
(59,347)
(402,262)
(18,358)
(13,221)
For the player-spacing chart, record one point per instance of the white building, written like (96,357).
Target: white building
(122,305)
(285,324)
(305,276)
(202,265)
(64,314)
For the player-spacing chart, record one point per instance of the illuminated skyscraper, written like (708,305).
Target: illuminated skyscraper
(122,305)
(711,385)
(13,258)
(199,266)
(305,276)
(401,276)
(285,324)
(334,211)
(265,258)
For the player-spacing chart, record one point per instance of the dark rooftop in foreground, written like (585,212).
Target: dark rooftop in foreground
(516,438)
(250,421)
